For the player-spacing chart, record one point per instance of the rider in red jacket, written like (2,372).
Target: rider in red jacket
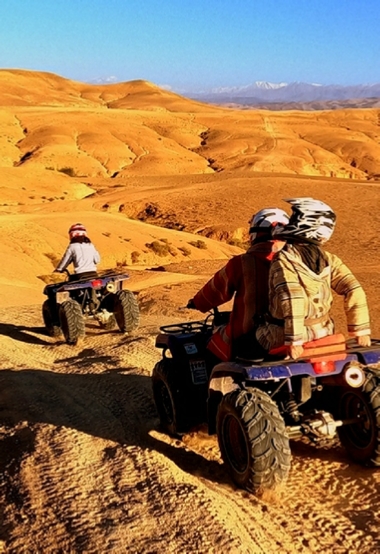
(244,277)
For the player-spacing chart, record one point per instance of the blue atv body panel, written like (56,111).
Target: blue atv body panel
(290,369)
(85,284)
(188,344)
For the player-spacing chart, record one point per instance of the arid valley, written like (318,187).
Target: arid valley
(165,186)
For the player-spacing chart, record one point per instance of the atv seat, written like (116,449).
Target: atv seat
(330,348)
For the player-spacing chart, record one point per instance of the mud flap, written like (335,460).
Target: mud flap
(225,378)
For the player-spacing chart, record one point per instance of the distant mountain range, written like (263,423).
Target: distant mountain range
(262,92)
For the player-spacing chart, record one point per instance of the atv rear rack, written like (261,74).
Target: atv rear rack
(186,327)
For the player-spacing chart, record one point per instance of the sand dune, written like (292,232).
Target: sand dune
(166,187)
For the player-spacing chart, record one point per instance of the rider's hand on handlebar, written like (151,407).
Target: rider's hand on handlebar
(191,305)
(364,340)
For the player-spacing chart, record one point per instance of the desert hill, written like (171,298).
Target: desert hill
(136,128)
(165,187)
(132,150)
(20,87)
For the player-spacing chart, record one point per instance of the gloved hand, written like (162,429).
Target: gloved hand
(191,305)
(364,340)
(295,352)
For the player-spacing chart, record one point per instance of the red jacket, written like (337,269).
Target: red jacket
(246,277)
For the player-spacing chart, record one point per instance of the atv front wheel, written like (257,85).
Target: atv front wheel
(170,405)
(53,330)
(252,440)
(72,321)
(126,311)
(362,438)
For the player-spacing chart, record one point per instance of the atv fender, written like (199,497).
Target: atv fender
(225,378)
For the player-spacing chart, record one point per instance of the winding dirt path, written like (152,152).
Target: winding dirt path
(84,467)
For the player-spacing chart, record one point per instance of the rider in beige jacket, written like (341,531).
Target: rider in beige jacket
(301,280)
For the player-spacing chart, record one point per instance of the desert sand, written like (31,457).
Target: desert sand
(161,182)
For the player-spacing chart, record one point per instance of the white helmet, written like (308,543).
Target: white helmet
(311,220)
(265,220)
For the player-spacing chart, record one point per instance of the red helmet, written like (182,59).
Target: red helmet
(77,230)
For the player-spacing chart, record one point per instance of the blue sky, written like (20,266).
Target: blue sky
(193,45)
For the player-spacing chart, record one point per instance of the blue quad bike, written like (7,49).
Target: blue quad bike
(102,298)
(256,406)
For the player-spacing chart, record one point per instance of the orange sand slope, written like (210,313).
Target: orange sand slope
(114,154)
(136,128)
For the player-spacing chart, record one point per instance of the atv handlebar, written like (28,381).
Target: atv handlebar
(212,319)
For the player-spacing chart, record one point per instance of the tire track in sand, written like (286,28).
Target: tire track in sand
(81,456)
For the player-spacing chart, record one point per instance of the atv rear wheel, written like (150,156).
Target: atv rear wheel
(72,321)
(362,439)
(252,440)
(170,405)
(53,330)
(126,311)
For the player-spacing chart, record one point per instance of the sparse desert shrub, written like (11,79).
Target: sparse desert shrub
(173,251)
(239,243)
(51,278)
(199,244)
(120,265)
(185,251)
(135,256)
(68,171)
(52,257)
(159,248)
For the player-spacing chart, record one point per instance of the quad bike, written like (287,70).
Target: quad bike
(102,298)
(256,406)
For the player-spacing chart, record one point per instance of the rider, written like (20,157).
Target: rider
(246,277)
(301,280)
(81,252)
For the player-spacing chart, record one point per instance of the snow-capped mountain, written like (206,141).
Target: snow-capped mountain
(262,91)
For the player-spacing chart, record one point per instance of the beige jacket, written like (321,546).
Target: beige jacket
(298,296)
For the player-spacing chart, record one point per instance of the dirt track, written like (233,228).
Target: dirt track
(84,467)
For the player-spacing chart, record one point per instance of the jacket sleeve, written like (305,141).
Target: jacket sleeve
(220,288)
(344,283)
(96,256)
(289,299)
(66,260)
